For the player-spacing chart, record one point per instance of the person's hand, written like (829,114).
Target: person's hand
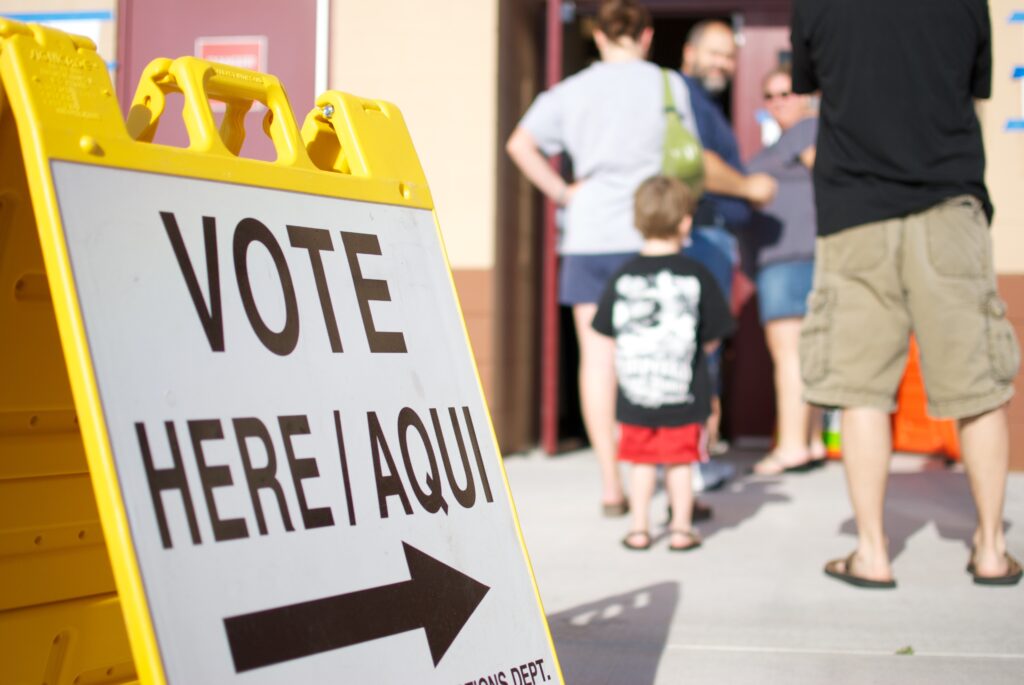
(570,191)
(760,189)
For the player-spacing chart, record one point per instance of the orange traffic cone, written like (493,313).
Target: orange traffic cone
(912,429)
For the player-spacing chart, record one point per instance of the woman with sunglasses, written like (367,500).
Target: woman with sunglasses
(781,243)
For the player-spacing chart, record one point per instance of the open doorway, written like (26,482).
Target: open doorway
(749,409)
(565,429)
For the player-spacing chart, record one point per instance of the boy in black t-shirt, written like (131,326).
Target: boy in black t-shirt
(665,313)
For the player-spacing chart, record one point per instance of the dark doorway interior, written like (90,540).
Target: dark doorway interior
(670,34)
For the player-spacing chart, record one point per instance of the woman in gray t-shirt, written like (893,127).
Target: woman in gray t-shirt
(610,119)
(781,241)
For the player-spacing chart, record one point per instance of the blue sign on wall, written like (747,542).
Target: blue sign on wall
(1018,75)
(89,24)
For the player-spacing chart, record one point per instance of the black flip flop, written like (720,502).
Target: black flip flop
(804,467)
(832,569)
(1011,577)
(809,465)
(637,548)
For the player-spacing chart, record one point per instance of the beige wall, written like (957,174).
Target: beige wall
(438,63)
(1005,149)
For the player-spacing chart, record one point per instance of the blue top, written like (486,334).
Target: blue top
(785,230)
(716,135)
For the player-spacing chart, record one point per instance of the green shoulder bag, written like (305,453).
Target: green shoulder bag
(684,156)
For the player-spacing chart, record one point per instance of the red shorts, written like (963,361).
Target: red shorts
(666,445)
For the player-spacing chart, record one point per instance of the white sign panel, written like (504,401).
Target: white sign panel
(306,463)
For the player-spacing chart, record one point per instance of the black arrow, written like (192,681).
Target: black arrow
(436,597)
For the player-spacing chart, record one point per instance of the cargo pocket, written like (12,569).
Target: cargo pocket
(1003,351)
(959,243)
(815,335)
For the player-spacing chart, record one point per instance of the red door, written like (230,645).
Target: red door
(233,31)
(748,396)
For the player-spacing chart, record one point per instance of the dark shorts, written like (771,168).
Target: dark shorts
(782,289)
(583,277)
(685,444)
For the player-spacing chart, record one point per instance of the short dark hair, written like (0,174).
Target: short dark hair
(618,18)
(697,31)
(660,204)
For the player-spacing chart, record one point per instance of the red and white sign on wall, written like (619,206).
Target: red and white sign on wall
(247,52)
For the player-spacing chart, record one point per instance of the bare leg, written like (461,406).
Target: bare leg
(597,398)
(714,421)
(986,456)
(783,337)
(816,442)
(679,483)
(642,480)
(867,446)
(793,414)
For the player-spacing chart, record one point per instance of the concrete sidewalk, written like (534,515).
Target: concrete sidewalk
(752,605)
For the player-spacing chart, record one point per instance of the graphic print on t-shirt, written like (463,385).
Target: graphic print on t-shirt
(655,318)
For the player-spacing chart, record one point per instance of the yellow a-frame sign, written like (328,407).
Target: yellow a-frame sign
(242,438)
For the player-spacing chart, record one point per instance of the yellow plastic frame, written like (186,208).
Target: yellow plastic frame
(60,95)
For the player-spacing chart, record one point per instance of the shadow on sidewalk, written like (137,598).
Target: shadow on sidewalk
(618,639)
(739,501)
(914,500)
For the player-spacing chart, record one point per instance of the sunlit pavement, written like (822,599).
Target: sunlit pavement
(752,605)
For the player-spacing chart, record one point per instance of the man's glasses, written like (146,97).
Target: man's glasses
(772,96)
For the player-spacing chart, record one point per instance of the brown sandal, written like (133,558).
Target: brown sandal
(615,509)
(643,534)
(778,467)
(693,537)
(840,569)
(1011,577)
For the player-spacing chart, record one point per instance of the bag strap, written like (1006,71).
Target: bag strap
(670,103)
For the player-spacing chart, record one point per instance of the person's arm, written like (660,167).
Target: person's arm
(710,346)
(526,155)
(805,141)
(716,321)
(720,178)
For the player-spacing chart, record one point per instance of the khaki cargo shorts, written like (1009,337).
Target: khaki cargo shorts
(929,274)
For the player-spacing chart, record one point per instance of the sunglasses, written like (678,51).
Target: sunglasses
(772,96)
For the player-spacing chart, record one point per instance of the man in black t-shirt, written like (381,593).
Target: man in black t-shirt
(904,247)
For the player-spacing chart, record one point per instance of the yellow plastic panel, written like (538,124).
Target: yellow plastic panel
(51,543)
(79,642)
(50,525)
